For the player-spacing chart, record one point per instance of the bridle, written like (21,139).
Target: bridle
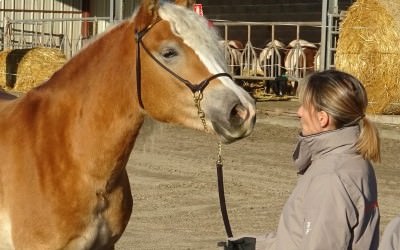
(197,91)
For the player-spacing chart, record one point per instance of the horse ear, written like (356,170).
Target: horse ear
(186,3)
(147,14)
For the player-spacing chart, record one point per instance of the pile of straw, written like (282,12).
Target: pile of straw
(23,69)
(369,48)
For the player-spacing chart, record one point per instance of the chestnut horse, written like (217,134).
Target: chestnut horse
(65,144)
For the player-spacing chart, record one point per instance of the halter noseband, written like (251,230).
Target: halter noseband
(197,89)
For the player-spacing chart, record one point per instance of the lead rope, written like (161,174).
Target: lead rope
(198,96)
(221,193)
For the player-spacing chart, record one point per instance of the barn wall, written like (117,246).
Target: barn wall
(40,9)
(266,10)
(100,8)
(129,7)
(122,8)
(270,11)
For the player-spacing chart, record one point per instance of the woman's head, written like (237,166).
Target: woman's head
(339,94)
(333,99)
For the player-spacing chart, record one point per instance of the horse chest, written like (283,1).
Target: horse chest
(96,235)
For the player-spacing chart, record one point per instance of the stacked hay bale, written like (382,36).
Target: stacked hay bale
(369,48)
(23,69)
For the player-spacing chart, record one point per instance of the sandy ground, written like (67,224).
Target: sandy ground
(173,178)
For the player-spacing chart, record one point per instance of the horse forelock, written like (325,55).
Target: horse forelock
(197,34)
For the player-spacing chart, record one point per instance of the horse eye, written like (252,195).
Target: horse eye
(169,53)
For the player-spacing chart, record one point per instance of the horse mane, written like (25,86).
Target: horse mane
(196,32)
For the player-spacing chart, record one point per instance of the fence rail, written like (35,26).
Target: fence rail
(67,34)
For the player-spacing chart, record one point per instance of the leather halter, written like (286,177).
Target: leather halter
(197,89)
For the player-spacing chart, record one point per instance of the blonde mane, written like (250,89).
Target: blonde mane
(197,34)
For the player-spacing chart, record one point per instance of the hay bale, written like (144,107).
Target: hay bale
(368,47)
(23,69)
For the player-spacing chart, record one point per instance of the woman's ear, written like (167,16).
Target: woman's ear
(325,120)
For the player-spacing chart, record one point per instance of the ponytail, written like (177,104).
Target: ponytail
(368,144)
(344,98)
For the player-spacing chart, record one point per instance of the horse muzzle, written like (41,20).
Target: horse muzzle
(232,116)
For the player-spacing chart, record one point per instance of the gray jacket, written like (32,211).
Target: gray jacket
(391,236)
(334,204)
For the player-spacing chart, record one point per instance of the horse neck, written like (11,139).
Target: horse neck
(94,96)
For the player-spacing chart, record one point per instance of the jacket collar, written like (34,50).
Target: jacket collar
(315,146)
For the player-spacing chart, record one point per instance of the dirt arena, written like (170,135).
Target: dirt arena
(173,178)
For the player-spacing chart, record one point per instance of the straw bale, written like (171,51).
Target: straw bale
(368,47)
(23,69)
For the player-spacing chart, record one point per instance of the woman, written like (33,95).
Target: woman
(334,204)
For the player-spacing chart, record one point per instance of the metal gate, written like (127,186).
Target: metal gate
(67,34)
(265,63)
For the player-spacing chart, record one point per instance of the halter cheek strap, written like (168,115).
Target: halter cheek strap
(195,88)
(138,37)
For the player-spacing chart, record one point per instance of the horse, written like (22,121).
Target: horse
(299,60)
(233,51)
(64,145)
(271,62)
(271,58)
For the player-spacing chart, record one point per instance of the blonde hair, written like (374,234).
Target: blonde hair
(344,98)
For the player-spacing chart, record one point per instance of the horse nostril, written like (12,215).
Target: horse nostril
(238,115)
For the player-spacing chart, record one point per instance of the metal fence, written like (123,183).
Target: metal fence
(67,34)
(255,62)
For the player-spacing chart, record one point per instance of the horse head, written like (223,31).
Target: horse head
(181,72)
